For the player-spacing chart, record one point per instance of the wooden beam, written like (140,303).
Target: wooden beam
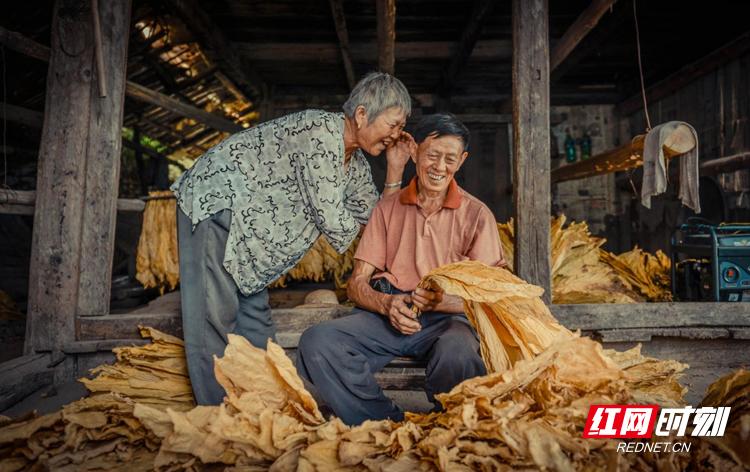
(595,40)
(330,53)
(594,317)
(135,91)
(22,376)
(469,37)
(218,48)
(687,74)
(22,202)
(144,94)
(386,18)
(291,322)
(21,44)
(578,30)
(531,142)
(733,163)
(20,115)
(339,20)
(625,157)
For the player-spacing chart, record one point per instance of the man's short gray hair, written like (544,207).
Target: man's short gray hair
(376,92)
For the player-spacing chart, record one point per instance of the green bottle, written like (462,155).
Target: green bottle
(570,147)
(585,146)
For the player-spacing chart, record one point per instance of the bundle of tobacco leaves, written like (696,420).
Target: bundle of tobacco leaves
(731,451)
(154,374)
(649,274)
(579,275)
(157,262)
(321,263)
(100,432)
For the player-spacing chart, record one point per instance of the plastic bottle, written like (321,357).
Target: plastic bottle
(570,147)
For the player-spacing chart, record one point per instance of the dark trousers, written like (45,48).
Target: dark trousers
(212,305)
(340,357)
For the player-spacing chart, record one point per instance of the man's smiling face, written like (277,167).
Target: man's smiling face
(437,161)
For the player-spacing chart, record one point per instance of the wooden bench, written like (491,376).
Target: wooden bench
(713,338)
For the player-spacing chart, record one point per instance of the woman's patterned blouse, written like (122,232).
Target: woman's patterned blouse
(285,183)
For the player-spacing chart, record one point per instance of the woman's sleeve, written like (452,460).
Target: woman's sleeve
(361,193)
(320,178)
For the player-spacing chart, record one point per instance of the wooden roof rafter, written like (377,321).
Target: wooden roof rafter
(218,49)
(339,20)
(465,46)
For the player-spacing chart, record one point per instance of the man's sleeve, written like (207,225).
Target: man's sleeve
(361,193)
(485,245)
(372,245)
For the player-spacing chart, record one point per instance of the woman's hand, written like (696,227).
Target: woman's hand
(427,300)
(402,318)
(399,153)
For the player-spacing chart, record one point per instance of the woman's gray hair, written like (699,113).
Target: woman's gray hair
(376,92)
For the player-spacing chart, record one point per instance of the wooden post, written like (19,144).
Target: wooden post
(103,163)
(79,160)
(386,13)
(339,21)
(531,134)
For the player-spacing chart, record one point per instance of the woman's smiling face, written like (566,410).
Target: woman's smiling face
(437,161)
(374,137)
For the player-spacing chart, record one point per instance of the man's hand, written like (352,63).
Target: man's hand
(400,315)
(398,154)
(427,300)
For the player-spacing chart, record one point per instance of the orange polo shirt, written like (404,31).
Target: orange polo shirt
(404,244)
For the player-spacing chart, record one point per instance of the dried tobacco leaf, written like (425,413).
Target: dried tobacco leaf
(157,261)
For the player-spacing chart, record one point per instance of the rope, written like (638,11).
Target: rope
(5,124)
(640,68)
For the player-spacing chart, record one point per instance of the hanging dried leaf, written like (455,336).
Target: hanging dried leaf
(321,263)
(157,262)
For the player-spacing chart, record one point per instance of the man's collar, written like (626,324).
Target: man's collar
(408,195)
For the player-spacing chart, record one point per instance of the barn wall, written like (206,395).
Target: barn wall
(718,106)
(593,198)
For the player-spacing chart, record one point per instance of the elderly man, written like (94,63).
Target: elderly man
(431,222)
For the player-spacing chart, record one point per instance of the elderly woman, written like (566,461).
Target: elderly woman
(251,207)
